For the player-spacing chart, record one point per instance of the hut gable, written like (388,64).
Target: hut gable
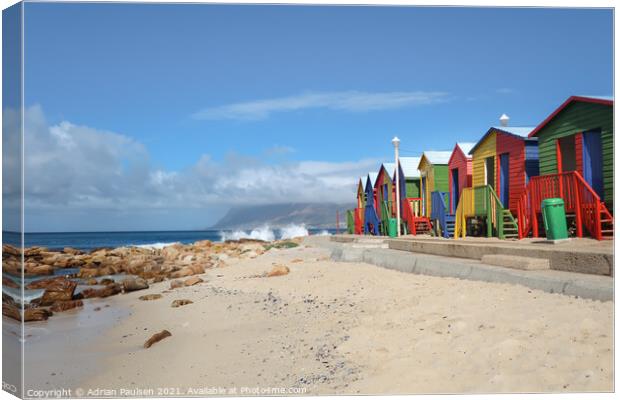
(484,149)
(459,172)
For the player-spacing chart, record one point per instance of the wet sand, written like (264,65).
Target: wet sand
(342,328)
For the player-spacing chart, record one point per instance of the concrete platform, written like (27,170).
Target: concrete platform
(587,256)
(516,262)
(589,286)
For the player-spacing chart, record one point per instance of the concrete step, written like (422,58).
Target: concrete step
(516,262)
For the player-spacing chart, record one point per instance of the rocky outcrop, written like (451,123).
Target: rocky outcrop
(56,271)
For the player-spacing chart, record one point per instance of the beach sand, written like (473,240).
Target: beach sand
(347,328)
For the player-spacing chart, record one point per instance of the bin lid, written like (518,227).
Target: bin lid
(552,202)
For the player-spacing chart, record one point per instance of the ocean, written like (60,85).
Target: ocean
(87,241)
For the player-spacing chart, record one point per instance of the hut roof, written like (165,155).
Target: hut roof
(390,168)
(519,131)
(373,177)
(466,146)
(409,166)
(437,157)
(605,100)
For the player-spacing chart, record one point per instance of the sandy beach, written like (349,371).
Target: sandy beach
(342,328)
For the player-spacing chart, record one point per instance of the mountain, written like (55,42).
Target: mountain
(278,215)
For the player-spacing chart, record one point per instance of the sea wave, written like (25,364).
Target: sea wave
(158,245)
(267,233)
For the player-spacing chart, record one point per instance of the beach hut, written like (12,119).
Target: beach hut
(575,147)
(505,158)
(410,195)
(503,161)
(384,194)
(433,169)
(358,216)
(459,172)
(371,219)
(351,221)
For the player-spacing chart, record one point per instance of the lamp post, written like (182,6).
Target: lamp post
(396,142)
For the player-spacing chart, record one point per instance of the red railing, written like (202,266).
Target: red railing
(579,199)
(411,211)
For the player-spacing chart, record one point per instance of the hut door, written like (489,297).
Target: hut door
(504,179)
(593,161)
(489,171)
(567,153)
(455,190)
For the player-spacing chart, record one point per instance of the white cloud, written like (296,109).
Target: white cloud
(352,101)
(79,170)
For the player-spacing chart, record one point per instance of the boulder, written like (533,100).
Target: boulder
(156,338)
(36,314)
(133,284)
(188,271)
(11,311)
(181,302)
(59,289)
(109,290)
(193,281)
(66,305)
(278,270)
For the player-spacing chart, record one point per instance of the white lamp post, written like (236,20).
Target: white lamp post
(396,142)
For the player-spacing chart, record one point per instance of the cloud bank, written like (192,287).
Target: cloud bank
(82,170)
(351,101)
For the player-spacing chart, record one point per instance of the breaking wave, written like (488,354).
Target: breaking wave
(158,245)
(266,233)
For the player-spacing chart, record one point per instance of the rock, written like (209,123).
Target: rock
(72,251)
(41,270)
(106,281)
(36,314)
(58,289)
(10,250)
(176,284)
(133,284)
(11,310)
(278,270)
(66,305)
(156,338)
(7,282)
(150,297)
(179,303)
(188,271)
(193,281)
(109,290)
(88,273)
(297,260)
(158,278)
(203,243)
(97,309)
(91,281)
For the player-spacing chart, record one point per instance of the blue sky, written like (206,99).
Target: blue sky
(276,86)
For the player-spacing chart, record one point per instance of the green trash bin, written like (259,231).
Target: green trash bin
(554,218)
(392,227)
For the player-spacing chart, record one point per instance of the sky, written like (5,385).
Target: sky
(151,116)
